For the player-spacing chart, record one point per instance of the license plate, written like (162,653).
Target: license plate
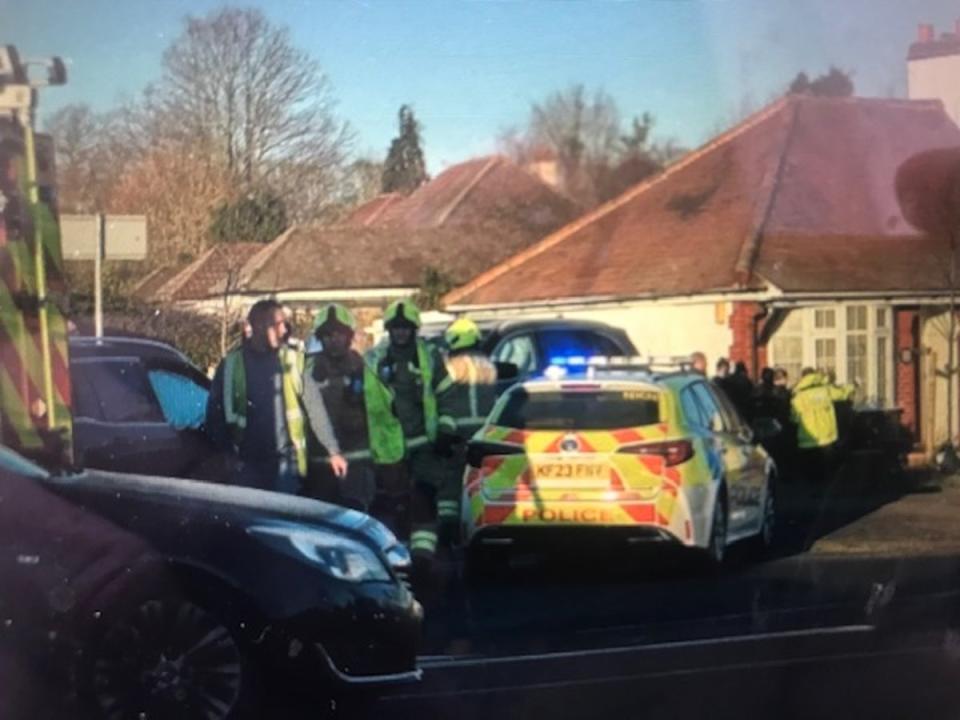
(569,471)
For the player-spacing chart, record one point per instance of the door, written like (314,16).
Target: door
(120,425)
(734,456)
(754,473)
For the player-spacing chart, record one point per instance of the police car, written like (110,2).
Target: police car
(645,451)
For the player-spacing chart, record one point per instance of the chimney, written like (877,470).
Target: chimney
(925,32)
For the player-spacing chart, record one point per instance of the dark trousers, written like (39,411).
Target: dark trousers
(406,493)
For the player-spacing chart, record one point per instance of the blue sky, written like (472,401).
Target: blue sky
(471,69)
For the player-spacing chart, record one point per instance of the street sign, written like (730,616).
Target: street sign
(102,237)
(125,237)
(79,235)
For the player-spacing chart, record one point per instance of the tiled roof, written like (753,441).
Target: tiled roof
(734,213)
(470,192)
(468,218)
(367,213)
(208,274)
(153,281)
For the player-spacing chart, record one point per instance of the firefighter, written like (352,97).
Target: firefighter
(255,409)
(400,380)
(465,398)
(334,379)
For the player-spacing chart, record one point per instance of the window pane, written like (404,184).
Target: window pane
(788,354)
(85,402)
(123,393)
(824,319)
(881,318)
(857,359)
(518,351)
(857,317)
(574,409)
(183,402)
(691,409)
(709,405)
(826,354)
(882,396)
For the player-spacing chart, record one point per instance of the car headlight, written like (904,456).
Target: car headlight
(339,556)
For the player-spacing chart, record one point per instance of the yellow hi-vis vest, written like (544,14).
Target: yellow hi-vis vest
(235,399)
(812,411)
(387,443)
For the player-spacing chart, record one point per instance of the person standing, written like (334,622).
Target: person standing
(399,385)
(465,398)
(255,409)
(334,380)
(813,414)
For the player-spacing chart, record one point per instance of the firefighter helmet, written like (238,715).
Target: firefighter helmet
(334,314)
(463,333)
(401,311)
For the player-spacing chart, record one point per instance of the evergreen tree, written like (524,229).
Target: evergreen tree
(405,170)
(256,218)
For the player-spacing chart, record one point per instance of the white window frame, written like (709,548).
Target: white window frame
(809,334)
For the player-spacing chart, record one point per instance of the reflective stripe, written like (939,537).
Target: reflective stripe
(424,540)
(448,509)
(472,390)
(230,379)
(418,441)
(476,420)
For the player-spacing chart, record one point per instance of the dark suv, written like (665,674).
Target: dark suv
(139,407)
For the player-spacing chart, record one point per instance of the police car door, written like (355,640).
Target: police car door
(733,455)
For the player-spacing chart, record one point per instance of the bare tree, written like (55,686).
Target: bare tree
(234,85)
(582,131)
(87,165)
(178,189)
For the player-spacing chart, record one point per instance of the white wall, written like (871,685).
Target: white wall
(657,328)
(936,78)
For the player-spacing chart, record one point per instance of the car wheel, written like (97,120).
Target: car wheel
(170,658)
(716,551)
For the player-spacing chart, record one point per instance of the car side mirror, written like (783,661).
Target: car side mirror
(765,428)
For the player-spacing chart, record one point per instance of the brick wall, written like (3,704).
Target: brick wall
(907,374)
(741,326)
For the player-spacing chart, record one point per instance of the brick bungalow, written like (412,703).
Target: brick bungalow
(779,242)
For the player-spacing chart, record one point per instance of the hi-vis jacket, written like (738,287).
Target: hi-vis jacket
(235,399)
(387,442)
(812,410)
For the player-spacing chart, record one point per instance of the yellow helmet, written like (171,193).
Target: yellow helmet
(401,310)
(334,313)
(463,333)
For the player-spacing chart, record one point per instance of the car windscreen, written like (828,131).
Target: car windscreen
(580,409)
